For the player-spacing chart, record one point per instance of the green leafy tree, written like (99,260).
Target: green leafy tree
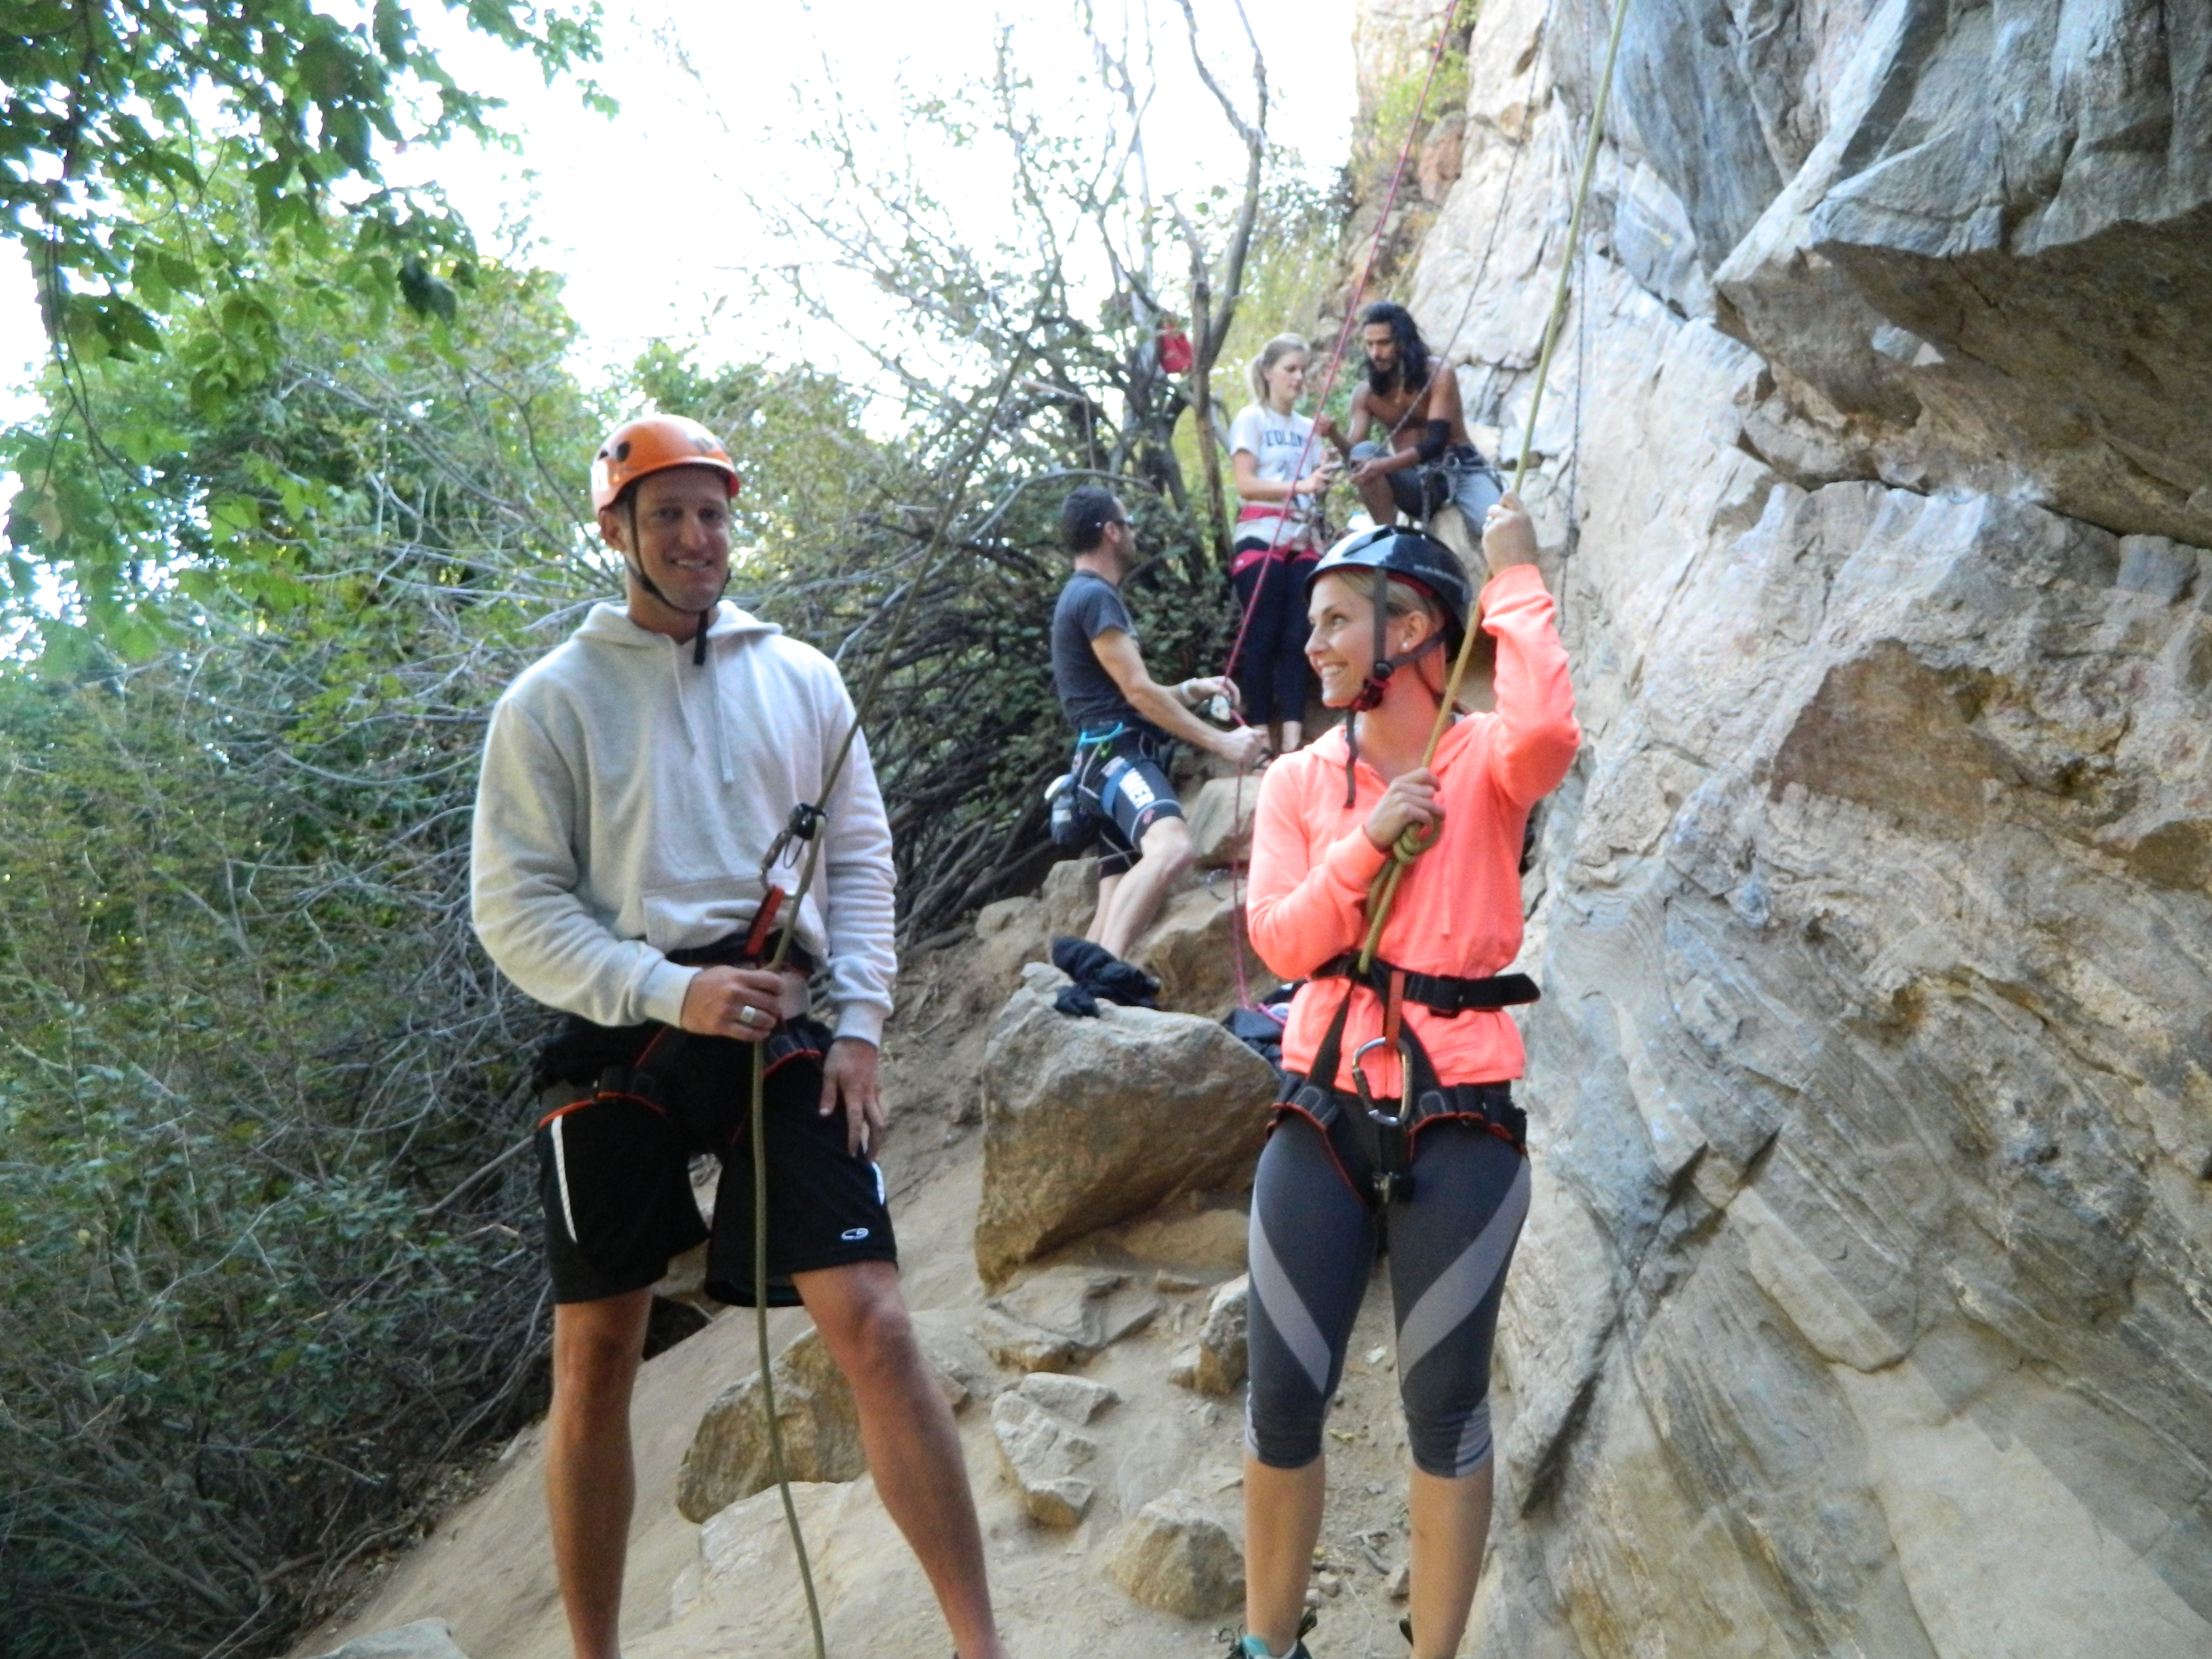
(274,1268)
(110,110)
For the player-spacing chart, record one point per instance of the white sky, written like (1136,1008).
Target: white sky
(640,213)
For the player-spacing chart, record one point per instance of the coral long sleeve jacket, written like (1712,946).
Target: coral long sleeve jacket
(1458,908)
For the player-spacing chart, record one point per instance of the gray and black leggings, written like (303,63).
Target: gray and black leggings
(1313,1242)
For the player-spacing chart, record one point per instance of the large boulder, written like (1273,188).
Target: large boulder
(1220,813)
(1090,1122)
(1069,898)
(730,1456)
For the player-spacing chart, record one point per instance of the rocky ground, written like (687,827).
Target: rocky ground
(1097,1382)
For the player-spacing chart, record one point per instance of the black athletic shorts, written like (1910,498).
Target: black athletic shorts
(1122,782)
(614,1157)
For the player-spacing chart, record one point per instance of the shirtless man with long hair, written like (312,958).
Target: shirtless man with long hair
(1424,457)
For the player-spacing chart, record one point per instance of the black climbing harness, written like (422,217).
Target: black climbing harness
(1372,1142)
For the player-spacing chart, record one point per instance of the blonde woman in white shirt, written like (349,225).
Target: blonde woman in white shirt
(1280,473)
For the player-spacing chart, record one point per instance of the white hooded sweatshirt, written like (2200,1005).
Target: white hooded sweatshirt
(628,796)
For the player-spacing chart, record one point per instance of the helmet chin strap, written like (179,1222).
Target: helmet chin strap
(636,565)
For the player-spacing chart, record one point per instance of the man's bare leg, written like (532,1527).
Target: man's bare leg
(1282,1522)
(1164,854)
(1107,886)
(1450,1523)
(1381,506)
(590,1486)
(914,1450)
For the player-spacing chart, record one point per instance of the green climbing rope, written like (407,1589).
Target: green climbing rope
(938,540)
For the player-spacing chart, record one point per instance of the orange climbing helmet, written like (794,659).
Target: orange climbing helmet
(654,443)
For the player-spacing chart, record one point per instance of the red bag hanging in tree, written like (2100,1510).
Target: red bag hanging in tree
(1175,349)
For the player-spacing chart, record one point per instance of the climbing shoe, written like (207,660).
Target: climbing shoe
(1251,1647)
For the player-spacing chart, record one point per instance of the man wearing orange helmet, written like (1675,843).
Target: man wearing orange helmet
(624,871)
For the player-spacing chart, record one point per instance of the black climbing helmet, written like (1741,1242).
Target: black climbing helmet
(1409,556)
(1412,557)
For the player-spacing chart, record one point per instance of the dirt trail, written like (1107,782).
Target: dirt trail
(485,1569)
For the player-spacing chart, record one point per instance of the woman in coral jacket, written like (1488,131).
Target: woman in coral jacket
(1396,1120)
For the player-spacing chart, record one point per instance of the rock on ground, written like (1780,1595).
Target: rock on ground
(1090,1122)
(1172,1554)
(1192,950)
(1063,1317)
(1221,817)
(729,1457)
(1215,1363)
(1078,1399)
(426,1638)
(1047,1458)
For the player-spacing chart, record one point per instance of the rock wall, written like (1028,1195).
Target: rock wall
(1867,1302)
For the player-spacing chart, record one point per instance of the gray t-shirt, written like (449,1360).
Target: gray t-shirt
(1090,606)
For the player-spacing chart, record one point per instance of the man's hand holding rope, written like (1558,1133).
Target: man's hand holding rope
(744,1003)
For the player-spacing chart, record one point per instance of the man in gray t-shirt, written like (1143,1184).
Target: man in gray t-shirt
(1125,722)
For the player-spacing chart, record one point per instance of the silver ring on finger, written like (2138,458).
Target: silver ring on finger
(753,1015)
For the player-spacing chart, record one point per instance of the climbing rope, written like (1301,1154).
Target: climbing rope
(1352,308)
(1328,385)
(806,822)
(1417,839)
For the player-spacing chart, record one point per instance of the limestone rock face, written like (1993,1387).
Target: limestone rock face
(1982,249)
(1090,1122)
(1862,1305)
(1172,1554)
(729,1457)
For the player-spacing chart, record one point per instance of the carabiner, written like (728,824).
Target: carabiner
(1393,1175)
(1359,1079)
